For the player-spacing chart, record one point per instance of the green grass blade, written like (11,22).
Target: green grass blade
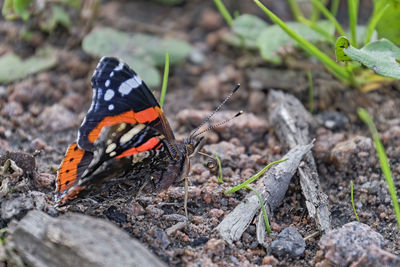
(254,177)
(224,12)
(374,21)
(314,26)
(294,7)
(383,160)
(165,79)
(264,212)
(335,7)
(353,10)
(341,73)
(219,169)
(329,16)
(310,92)
(352,200)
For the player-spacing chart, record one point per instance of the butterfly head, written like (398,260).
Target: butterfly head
(192,145)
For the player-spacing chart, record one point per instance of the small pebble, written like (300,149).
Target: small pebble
(45,180)
(154,211)
(289,242)
(216,213)
(215,246)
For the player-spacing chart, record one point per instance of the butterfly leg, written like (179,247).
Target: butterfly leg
(187,169)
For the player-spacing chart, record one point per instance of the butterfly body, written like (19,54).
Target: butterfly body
(124,138)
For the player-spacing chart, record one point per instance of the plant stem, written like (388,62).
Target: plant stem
(264,212)
(294,7)
(376,17)
(224,12)
(352,200)
(254,177)
(353,8)
(329,16)
(335,7)
(383,160)
(165,79)
(318,29)
(219,168)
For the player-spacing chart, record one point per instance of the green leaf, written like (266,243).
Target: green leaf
(13,9)
(155,47)
(247,28)
(13,68)
(272,39)
(58,17)
(141,51)
(21,8)
(380,56)
(389,25)
(341,43)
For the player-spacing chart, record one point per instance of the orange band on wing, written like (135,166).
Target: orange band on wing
(144,116)
(149,145)
(67,172)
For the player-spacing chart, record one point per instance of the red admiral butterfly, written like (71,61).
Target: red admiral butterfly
(125,136)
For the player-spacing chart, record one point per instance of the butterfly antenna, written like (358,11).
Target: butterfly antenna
(215,111)
(218,124)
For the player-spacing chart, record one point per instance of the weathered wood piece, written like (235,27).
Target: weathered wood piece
(293,124)
(73,240)
(272,187)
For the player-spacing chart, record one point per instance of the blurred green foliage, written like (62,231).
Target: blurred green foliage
(251,32)
(13,9)
(13,68)
(389,25)
(142,51)
(49,14)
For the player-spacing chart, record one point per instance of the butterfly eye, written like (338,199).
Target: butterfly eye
(189,149)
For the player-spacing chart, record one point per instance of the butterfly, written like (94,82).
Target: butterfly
(124,137)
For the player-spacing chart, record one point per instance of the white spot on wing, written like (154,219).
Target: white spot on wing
(111,74)
(121,127)
(112,154)
(127,86)
(119,67)
(109,95)
(131,133)
(107,83)
(110,148)
(110,107)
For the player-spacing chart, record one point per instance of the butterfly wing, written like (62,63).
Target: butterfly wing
(70,171)
(120,150)
(119,95)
